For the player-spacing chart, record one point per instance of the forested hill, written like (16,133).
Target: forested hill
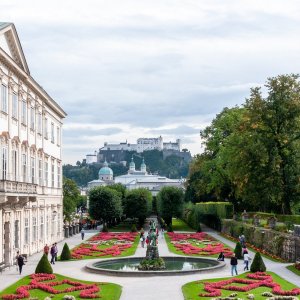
(172,167)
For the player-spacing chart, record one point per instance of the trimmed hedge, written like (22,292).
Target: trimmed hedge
(44,266)
(65,253)
(209,213)
(258,264)
(238,251)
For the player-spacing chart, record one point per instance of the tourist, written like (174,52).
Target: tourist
(142,239)
(46,250)
(221,257)
(82,233)
(52,252)
(56,251)
(244,249)
(233,263)
(242,240)
(246,260)
(20,262)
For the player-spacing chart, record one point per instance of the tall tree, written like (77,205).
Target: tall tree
(170,203)
(105,203)
(138,204)
(71,196)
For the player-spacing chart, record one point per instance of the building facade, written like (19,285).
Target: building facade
(31,212)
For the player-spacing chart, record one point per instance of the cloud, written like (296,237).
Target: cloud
(180,130)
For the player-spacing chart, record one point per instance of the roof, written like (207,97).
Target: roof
(106,171)
(4,24)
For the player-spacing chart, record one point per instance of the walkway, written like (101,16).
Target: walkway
(146,288)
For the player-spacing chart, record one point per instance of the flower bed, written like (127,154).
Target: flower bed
(242,285)
(106,244)
(199,243)
(42,285)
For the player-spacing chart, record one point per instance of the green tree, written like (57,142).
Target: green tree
(138,204)
(71,196)
(238,250)
(258,264)
(105,203)
(65,253)
(170,203)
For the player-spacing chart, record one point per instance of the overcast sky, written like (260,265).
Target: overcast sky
(124,69)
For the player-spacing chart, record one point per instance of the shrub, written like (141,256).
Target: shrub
(44,266)
(258,264)
(238,250)
(65,253)
(133,228)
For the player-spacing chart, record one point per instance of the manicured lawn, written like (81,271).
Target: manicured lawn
(120,245)
(293,269)
(108,291)
(198,244)
(192,290)
(121,227)
(180,225)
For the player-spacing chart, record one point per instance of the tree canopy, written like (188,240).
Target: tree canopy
(105,203)
(71,197)
(170,203)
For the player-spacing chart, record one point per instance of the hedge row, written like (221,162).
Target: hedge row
(209,213)
(295,219)
(277,243)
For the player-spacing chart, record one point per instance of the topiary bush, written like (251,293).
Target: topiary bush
(133,228)
(238,250)
(170,228)
(258,264)
(65,253)
(44,266)
(199,229)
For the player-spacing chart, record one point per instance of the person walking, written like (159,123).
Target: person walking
(46,250)
(142,239)
(233,263)
(56,251)
(20,262)
(82,233)
(52,252)
(221,257)
(246,260)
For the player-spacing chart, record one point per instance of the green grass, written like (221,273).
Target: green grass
(293,269)
(127,252)
(108,291)
(180,225)
(192,290)
(173,249)
(121,227)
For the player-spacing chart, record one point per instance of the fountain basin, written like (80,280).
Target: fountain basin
(175,265)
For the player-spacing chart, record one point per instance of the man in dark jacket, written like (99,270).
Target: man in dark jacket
(20,262)
(233,263)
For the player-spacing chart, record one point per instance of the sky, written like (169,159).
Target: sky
(124,69)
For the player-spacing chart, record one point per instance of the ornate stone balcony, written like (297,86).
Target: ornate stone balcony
(7,186)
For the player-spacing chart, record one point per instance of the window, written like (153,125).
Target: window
(4,163)
(24,167)
(26,238)
(46,128)
(46,173)
(14,164)
(58,136)
(40,172)
(42,226)
(17,229)
(32,117)
(52,133)
(15,106)
(47,224)
(58,224)
(39,125)
(53,224)
(4,98)
(52,175)
(58,176)
(23,113)
(34,229)
(32,173)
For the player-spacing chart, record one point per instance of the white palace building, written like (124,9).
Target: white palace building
(31,212)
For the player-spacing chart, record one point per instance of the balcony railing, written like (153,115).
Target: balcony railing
(17,187)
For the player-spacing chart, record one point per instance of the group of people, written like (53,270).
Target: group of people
(53,252)
(234,260)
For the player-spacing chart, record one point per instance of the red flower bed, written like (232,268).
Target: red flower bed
(258,279)
(39,281)
(93,250)
(188,248)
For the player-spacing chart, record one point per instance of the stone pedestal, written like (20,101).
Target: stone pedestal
(66,231)
(70,230)
(152,252)
(77,228)
(74,229)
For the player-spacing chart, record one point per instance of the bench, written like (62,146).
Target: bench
(3,266)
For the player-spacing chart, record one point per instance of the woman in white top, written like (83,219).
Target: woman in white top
(246,260)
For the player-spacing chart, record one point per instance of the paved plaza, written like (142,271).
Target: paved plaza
(148,288)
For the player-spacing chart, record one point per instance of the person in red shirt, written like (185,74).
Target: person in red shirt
(46,250)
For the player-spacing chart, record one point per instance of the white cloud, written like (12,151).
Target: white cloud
(141,67)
